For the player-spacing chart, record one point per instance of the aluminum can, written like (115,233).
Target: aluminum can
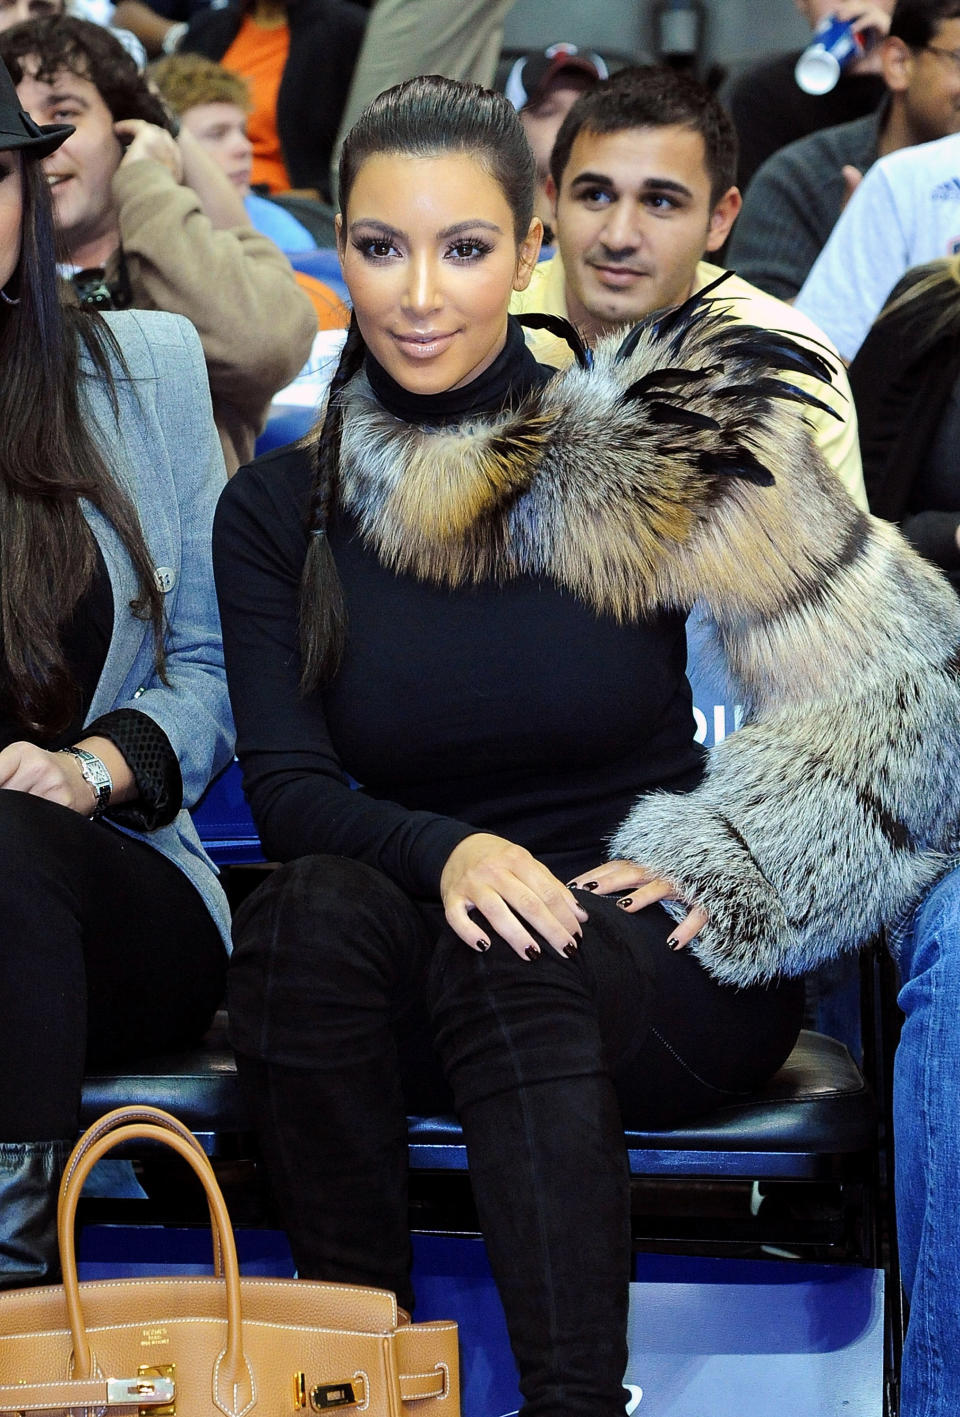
(835,44)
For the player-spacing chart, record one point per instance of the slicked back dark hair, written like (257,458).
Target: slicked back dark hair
(916,21)
(61,42)
(430,115)
(653,96)
(423,117)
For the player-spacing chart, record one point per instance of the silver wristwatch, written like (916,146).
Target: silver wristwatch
(95,773)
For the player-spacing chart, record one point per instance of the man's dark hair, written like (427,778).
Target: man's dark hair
(91,52)
(653,96)
(916,21)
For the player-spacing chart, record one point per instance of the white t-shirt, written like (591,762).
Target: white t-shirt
(906,211)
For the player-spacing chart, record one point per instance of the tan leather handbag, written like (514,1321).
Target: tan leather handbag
(198,1347)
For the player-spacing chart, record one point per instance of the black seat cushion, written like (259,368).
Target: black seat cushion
(817,1103)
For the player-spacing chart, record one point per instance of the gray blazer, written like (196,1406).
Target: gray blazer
(163,446)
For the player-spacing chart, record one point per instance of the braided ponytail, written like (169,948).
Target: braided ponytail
(322,614)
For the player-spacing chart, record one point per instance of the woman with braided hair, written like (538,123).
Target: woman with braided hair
(466,592)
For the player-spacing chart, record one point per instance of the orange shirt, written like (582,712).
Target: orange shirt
(259,55)
(330,310)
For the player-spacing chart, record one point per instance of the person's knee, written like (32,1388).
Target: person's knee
(323,938)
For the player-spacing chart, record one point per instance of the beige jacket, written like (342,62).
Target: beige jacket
(236,287)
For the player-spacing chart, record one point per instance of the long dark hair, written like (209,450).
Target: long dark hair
(420,118)
(48,461)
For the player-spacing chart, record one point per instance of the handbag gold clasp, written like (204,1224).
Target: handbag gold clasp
(155,1391)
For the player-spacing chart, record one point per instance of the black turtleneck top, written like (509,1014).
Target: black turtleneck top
(512,708)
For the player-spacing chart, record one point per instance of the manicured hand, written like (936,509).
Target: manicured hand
(56,776)
(147,140)
(511,889)
(640,888)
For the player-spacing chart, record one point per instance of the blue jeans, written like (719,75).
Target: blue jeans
(926,1102)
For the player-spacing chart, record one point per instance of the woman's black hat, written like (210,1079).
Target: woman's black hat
(17,128)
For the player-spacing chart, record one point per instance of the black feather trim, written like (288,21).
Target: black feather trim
(735,462)
(662,379)
(563,329)
(772,388)
(682,417)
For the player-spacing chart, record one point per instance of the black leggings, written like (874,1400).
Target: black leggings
(338,981)
(108,952)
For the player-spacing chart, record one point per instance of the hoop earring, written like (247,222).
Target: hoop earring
(9,299)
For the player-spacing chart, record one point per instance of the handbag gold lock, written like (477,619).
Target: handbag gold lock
(323,1396)
(162,1379)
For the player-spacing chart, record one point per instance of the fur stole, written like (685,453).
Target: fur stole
(677,469)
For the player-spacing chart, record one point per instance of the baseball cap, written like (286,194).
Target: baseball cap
(532,74)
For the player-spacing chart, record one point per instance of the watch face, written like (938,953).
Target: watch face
(96,774)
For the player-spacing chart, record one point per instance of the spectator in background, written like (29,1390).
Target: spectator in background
(905,212)
(641,178)
(298,59)
(770,110)
(101,12)
(14,12)
(543,87)
(796,197)
(156,224)
(212,105)
(906,382)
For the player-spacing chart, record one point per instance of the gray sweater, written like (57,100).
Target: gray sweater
(792,204)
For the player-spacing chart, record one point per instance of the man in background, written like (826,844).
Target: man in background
(543,87)
(769,108)
(149,221)
(642,181)
(795,199)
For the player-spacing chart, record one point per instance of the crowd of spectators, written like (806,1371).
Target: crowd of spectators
(198,179)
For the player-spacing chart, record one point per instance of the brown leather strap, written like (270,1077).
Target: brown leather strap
(75,1392)
(123,1116)
(232,1379)
(414,1386)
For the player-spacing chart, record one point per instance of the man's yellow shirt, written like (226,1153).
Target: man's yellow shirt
(837,438)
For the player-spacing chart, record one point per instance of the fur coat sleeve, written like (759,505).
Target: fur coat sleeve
(836,805)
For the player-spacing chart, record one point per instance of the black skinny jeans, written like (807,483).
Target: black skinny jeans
(108,952)
(337,983)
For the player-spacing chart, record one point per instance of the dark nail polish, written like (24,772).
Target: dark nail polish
(483,946)
(570,950)
(674,943)
(572,886)
(589,885)
(532,952)
(625,901)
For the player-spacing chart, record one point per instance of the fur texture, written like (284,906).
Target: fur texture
(677,469)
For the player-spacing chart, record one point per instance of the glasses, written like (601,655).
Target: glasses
(952,54)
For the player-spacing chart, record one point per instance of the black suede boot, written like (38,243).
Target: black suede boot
(30,1174)
(549,1173)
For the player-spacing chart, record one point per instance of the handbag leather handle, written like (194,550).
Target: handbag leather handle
(233,1387)
(122,1116)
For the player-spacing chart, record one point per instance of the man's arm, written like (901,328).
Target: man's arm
(788,213)
(256,326)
